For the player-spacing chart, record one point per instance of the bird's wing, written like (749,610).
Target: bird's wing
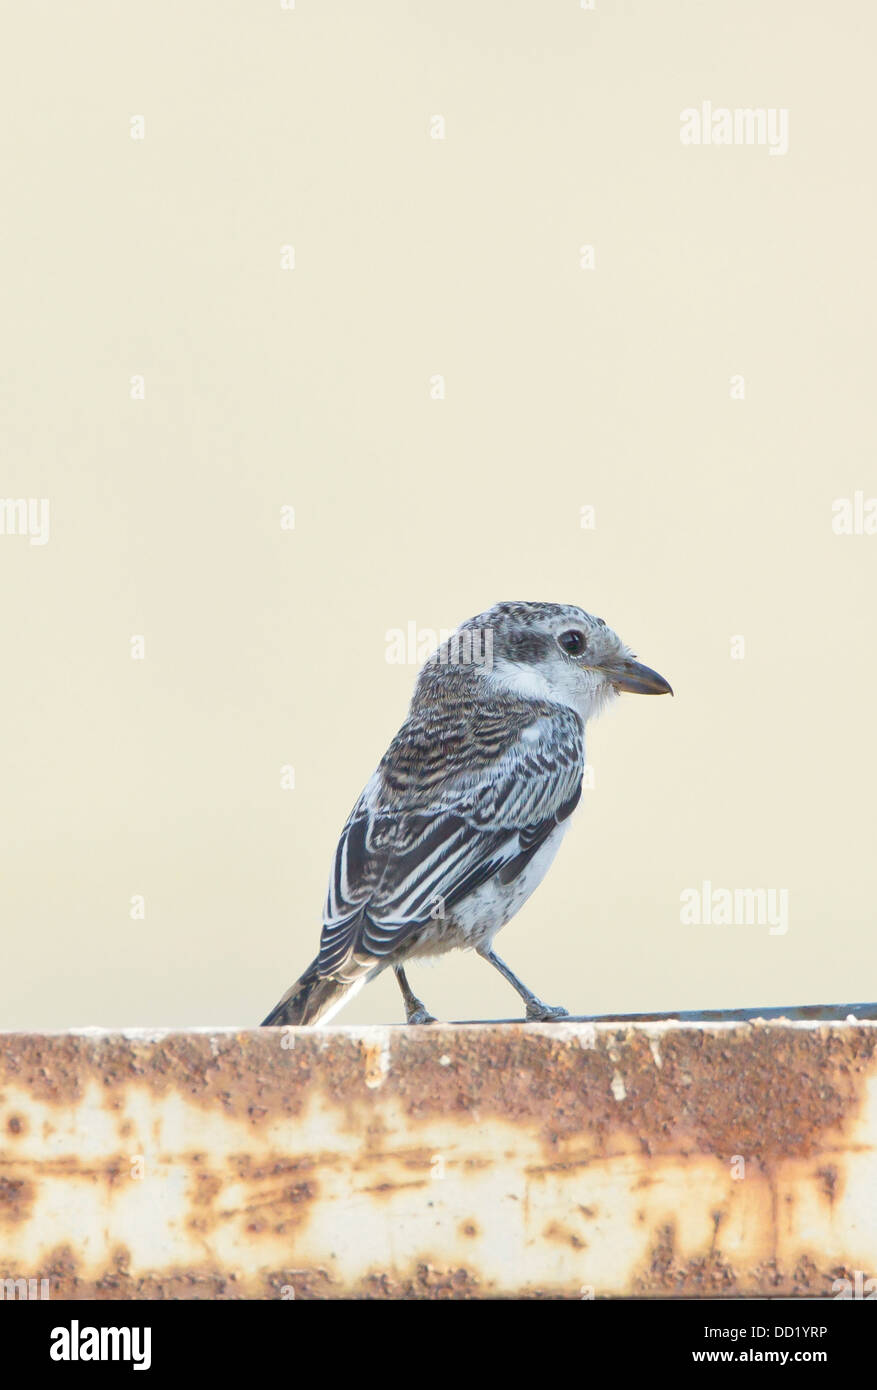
(454,802)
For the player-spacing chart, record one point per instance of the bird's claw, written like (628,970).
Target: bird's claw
(420,1016)
(537,1012)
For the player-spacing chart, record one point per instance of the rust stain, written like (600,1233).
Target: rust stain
(16,1199)
(421,1280)
(282,1196)
(252,1168)
(425,1281)
(715,1277)
(207,1187)
(665,1275)
(384,1189)
(554,1231)
(310,1116)
(710,1091)
(828,1177)
(406,1157)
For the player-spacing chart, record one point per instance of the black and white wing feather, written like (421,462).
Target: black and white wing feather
(460,797)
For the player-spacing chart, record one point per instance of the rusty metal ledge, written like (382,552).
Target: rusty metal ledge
(663,1159)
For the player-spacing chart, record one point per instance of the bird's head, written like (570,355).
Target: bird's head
(548,651)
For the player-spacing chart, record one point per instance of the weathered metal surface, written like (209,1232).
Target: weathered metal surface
(661,1159)
(807,1013)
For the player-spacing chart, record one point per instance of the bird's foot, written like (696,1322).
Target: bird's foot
(414,1010)
(420,1015)
(537,1012)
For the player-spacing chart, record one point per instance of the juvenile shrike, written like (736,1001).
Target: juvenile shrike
(469,805)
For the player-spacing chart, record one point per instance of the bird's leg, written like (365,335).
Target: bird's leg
(536,1010)
(414,1010)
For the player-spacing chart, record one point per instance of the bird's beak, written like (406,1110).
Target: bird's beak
(625,674)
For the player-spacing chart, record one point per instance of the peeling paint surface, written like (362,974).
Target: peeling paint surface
(517,1160)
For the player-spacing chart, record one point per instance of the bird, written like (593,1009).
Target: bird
(467,809)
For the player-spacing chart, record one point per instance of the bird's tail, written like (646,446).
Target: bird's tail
(309,998)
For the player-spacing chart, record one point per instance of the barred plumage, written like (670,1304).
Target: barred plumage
(469,803)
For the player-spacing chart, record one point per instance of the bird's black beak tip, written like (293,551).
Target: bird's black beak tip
(632,676)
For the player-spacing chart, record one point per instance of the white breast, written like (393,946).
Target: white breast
(480,916)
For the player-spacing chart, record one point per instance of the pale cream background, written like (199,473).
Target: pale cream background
(311,388)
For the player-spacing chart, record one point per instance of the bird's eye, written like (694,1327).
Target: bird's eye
(572,642)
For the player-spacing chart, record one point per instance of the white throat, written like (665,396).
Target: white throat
(531,683)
